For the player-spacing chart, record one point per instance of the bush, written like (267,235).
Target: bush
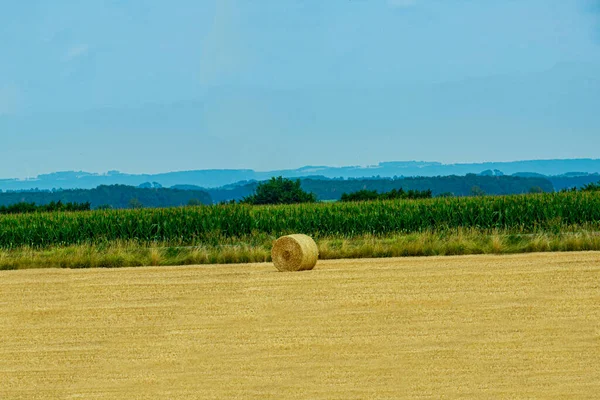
(23,207)
(366,195)
(592,187)
(279,191)
(361,195)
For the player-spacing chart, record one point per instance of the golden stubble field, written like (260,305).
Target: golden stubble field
(522,326)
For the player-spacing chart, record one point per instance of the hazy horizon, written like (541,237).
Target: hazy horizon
(232,84)
(430,163)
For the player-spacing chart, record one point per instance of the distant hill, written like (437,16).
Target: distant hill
(113,196)
(441,185)
(332,189)
(220,178)
(568,181)
(151,195)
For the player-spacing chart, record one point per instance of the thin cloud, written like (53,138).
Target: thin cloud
(593,6)
(223,53)
(10,97)
(401,3)
(77,51)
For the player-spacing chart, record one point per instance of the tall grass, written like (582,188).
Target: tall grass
(208,225)
(258,249)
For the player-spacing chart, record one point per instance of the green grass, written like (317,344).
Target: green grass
(257,249)
(193,226)
(243,233)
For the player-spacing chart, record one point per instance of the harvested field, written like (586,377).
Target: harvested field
(519,326)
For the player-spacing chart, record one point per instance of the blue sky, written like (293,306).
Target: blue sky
(153,86)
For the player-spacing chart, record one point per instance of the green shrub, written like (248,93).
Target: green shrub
(394,194)
(279,191)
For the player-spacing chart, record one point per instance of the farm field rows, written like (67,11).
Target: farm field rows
(516,326)
(550,212)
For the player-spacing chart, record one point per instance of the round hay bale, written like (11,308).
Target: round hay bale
(295,253)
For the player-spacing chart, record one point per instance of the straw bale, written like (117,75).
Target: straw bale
(295,253)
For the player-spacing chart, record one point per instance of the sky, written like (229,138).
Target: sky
(147,86)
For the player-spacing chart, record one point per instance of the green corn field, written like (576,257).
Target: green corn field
(206,224)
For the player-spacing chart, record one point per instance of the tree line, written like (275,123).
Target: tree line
(113,196)
(24,207)
(366,195)
(332,189)
(277,190)
(286,191)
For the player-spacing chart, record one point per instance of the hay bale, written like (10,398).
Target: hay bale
(295,253)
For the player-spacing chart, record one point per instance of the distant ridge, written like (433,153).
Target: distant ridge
(212,178)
